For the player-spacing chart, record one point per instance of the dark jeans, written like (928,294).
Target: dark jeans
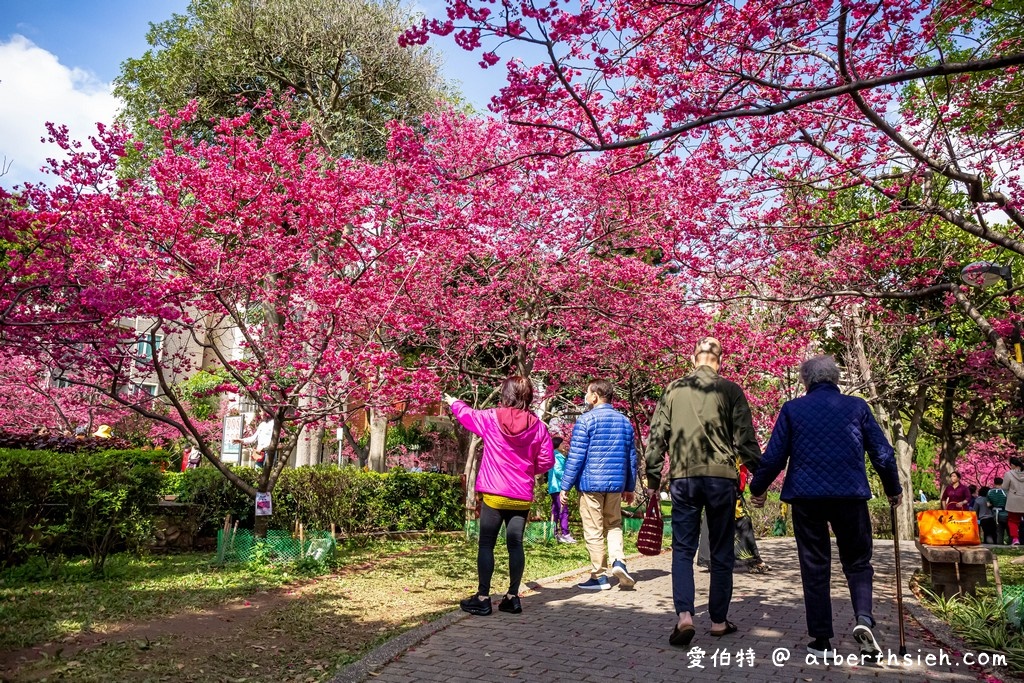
(490,524)
(716,497)
(852,528)
(988,529)
(1002,530)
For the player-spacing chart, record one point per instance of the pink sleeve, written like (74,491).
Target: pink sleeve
(468,418)
(546,457)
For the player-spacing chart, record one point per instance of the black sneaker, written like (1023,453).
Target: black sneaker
(820,647)
(510,604)
(474,605)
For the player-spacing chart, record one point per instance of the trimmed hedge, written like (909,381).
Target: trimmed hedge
(319,496)
(57,504)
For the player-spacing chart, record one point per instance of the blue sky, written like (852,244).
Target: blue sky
(58,57)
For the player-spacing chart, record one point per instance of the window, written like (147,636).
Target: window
(148,389)
(144,350)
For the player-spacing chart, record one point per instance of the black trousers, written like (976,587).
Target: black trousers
(852,527)
(490,524)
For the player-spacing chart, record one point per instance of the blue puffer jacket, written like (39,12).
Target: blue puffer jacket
(823,436)
(602,455)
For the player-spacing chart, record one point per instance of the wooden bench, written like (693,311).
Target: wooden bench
(955,569)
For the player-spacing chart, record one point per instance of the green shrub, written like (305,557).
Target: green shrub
(211,497)
(55,504)
(321,495)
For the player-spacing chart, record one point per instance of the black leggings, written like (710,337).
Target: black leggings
(490,524)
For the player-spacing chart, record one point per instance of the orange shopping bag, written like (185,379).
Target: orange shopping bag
(948,527)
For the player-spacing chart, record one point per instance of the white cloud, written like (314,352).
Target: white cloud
(35,88)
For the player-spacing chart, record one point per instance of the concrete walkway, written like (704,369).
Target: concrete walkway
(565,634)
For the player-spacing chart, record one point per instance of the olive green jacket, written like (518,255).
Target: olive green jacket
(703,422)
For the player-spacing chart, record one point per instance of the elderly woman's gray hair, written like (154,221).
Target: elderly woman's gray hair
(819,369)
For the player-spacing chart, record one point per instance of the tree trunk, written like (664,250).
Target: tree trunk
(948,452)
(903,443)
(472,467)
(261,525)
(378,440)
(362,453)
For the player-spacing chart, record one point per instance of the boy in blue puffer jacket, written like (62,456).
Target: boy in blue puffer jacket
(559,512)
(602,465)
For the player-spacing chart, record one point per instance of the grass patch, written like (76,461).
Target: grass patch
(381,588)
(35,610)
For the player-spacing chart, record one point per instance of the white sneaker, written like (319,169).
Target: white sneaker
(866,639)
(566,539)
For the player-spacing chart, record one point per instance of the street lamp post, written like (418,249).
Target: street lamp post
(984,274)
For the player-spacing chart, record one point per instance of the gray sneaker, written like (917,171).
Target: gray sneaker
(566,539)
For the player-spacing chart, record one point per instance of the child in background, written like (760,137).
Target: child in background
(986,516)
(559,512)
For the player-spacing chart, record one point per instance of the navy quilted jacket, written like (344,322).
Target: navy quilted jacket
(602,454)
(823,436)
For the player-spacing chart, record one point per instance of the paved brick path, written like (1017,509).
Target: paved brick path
(621,636)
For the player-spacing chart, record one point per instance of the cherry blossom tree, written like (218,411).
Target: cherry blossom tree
(828,95)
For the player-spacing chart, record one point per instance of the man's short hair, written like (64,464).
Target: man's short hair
(998,481)
(708,346)
(603,388)
(819,369)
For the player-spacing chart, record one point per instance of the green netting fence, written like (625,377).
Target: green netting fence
(279,547)
(535,532)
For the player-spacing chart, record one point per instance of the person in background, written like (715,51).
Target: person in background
(746,540)
(559,512)
(103,432)
(986,520)
(956,495)
(517,448)
(602,465)
(924,498)
(1013,482)
(997,499)
(820,440)
(974,494)
(261,440)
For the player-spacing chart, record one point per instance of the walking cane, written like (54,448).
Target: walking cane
(899,580)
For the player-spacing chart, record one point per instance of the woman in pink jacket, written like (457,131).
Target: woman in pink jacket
(517,447)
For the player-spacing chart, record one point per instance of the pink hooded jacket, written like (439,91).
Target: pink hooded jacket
(517,447)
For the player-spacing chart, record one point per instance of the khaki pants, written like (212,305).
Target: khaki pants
(602,518)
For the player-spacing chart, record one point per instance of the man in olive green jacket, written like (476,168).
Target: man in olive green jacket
(703,422)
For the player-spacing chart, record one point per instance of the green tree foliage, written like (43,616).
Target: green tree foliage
(991,98)
(339,57)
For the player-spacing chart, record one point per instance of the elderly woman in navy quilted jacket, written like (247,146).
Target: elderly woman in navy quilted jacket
(823,436)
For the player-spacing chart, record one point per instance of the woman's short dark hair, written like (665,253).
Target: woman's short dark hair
(1016,462)
(556,441)
(516,392)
